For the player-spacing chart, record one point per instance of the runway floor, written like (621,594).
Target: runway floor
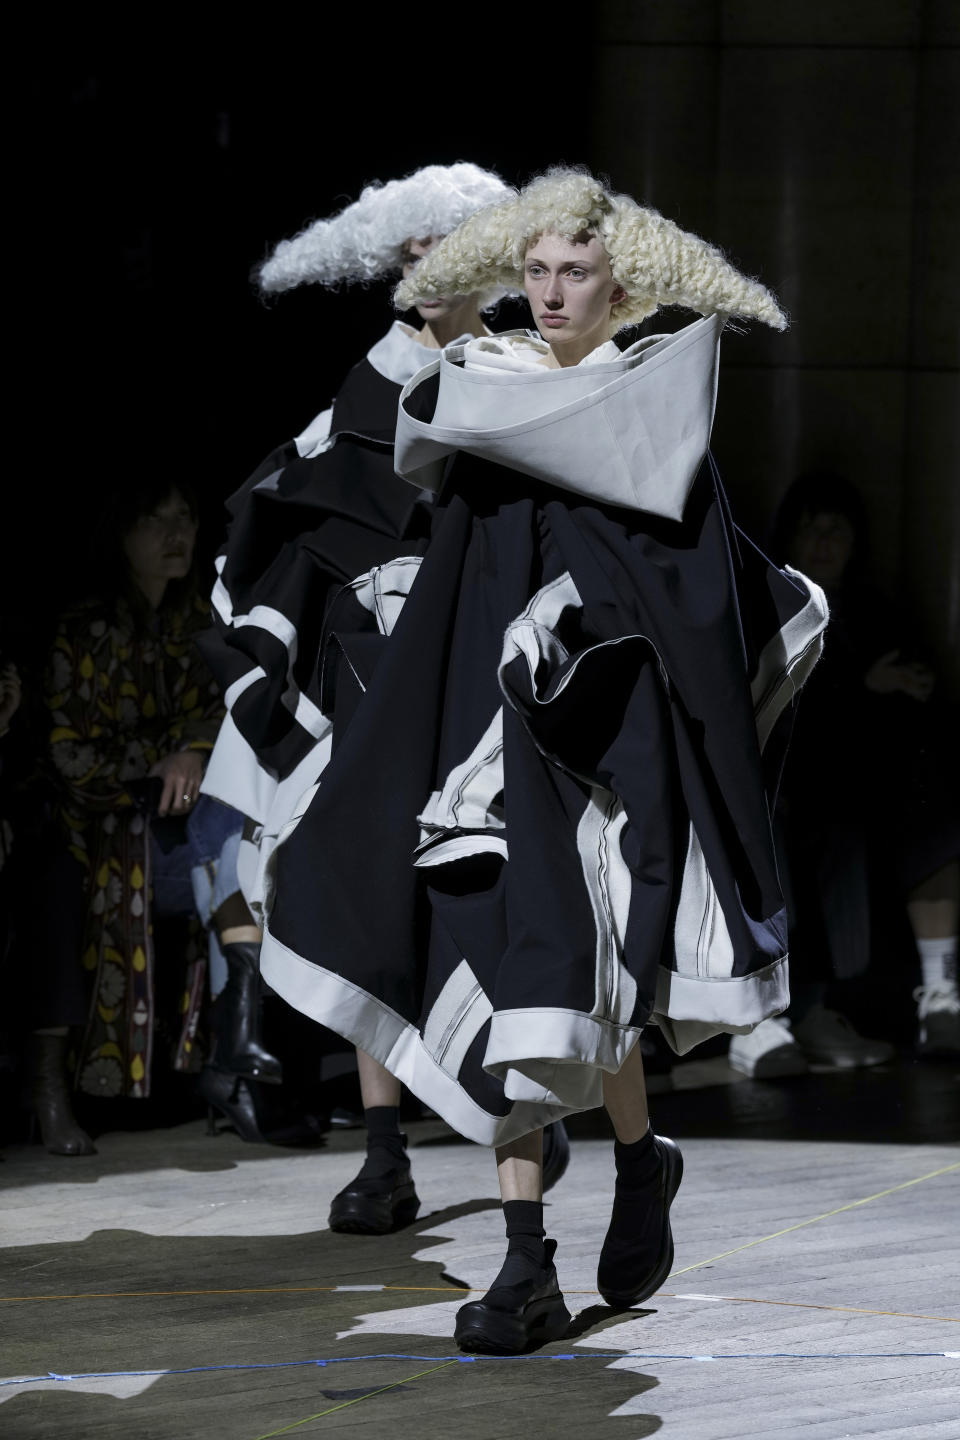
(181,1286)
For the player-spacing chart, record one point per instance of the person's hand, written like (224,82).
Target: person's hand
(890,674)
(10,694)
(181,775)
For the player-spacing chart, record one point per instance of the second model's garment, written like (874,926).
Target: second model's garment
(299,533)
(546,821)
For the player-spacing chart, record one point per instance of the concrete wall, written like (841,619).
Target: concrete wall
(817,142)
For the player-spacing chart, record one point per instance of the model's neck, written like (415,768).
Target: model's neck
(564,355)
(465,321)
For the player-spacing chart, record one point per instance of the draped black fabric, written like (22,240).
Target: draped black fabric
(299,533)
(492,888)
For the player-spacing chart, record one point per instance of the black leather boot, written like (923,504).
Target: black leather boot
(52,1103)
(380,1199)
(515,1314)
(235,1019)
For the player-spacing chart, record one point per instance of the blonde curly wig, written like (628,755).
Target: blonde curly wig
(365,241)
(655,261)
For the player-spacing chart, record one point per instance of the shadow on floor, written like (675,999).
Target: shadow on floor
(258,1301)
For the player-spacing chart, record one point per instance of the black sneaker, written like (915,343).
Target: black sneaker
(637,1252)
(512,1318)
(375,1205)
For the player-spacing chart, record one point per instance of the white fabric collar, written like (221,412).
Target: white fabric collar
(629,430)
(398,355)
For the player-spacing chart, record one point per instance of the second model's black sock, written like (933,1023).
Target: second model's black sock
(638,1164)
(526,1247)
(386,1146)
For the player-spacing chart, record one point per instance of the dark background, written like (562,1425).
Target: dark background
(164,153)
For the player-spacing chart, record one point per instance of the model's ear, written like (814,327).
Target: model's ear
(619,294)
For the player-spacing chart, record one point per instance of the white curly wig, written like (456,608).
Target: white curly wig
(365,241)
(655,261)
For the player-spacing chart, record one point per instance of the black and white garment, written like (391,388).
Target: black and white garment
(320,511)
(546,821)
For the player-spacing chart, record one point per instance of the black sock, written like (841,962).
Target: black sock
(638,1164)
(386,1146)
(526,1253)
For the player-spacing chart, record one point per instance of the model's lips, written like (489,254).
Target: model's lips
(431,304)
(554,319)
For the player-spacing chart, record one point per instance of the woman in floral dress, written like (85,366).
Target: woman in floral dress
(134,713)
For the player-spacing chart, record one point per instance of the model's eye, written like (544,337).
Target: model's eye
(536,271)
(576,274)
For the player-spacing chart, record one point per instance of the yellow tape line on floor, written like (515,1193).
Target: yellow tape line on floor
(286,1429)
(801,1224)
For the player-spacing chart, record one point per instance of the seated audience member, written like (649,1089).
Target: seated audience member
(133,713)
(869,804)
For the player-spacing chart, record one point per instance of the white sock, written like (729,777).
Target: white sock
(938,960)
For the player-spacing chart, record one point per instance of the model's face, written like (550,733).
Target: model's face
(159,546)
(822,547)
(570,289)
(443,305)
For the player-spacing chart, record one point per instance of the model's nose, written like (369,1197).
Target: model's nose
(552,296)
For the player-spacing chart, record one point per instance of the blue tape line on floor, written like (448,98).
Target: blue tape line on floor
(505,1359)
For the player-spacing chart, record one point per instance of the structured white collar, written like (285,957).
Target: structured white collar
(629,430)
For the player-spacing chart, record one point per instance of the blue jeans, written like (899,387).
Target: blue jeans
(195,878)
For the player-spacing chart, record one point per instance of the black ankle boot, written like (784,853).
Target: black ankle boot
(381,1198)
(52,1103)
(637,1252)
(522,1308)
(235,1019)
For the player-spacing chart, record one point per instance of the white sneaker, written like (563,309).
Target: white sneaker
(938,1014)
(830,1042)
(768,1053)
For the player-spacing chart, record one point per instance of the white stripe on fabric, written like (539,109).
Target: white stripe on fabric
(271,481)
(315,439)
(265,617)
(788,658)
(701,941)
(383,590)
(234,691)
(465,800)
(310,716)
(456,1017)
(608,883)
(220,600)
(459,847)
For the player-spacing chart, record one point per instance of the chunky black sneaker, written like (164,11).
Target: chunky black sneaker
(512,1318)
(375,1205)
(556,1154)
(637,1252)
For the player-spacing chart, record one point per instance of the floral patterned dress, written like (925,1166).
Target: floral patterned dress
(121,697)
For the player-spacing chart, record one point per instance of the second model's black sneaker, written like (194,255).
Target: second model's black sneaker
(515,1317)
(637,1252)
(375,1204)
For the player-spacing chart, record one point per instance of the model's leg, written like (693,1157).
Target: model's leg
(934,910)
(378,1088)
(382,1197)
(523,1305)
(638,1249)
(625,1099)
